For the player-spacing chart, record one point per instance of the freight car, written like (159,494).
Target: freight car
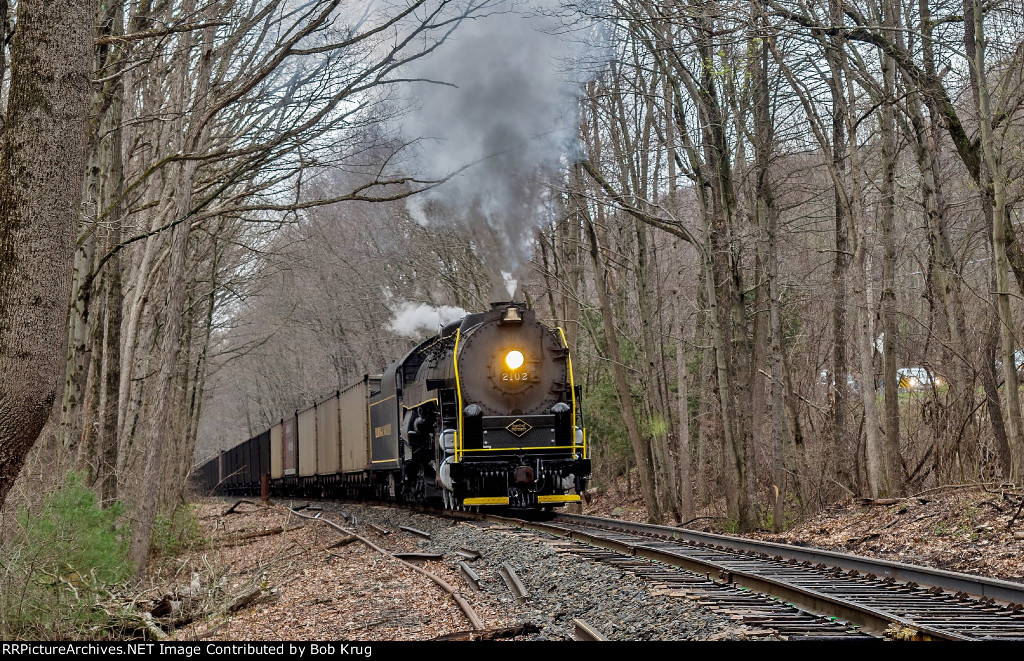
(486,412)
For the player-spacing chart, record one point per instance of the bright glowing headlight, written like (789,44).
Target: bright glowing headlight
(514,359)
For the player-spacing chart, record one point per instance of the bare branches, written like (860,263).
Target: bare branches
(929,84)
(151,34)
(673,227)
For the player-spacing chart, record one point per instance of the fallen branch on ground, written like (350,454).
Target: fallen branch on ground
(877,502)
(232,509)
(471,615)
(1015,515)
(344,541)
(254,595)
(241,539)
(492,634)
(141,626)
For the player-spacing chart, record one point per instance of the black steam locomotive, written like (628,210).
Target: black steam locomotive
(484,413)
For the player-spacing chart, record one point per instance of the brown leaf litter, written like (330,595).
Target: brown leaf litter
(965,530)
(311,588)
(971,529)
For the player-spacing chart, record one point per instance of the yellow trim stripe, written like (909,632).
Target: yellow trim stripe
(572,391)
(538,447)
(383,461)
(496,500)
(425,401)
(380,402)
(558,499)
(458,391)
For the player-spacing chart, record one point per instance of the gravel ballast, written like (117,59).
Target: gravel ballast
(561,586)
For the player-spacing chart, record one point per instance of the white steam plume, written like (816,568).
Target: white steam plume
(512,113)
(416,320)
(511,284)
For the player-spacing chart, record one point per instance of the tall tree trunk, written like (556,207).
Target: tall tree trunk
(1000,221)
(887,307)
(766,209)
(662,463)
(725,289)
(844,446)
(195,403)
(80,330)
(159,426)
(107,445)
(878,470)
(41,161)
(1001,429)
(640,450)
(113,298)
(943,279)
(101,217)
(683,453)
(709,423)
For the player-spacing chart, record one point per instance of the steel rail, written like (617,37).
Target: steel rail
(871,619)
(584,631)
(515,586)
(752,608)
(978,586)
(471,577)
(882,613)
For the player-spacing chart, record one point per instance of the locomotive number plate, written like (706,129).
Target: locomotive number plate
(515,377)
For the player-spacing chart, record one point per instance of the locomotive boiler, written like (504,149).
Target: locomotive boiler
(485,413)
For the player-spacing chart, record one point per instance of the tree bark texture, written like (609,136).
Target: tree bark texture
(844,445)
(170,341)
(41,161)
(887,307)
(1000,223)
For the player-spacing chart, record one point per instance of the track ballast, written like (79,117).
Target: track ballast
(801,592)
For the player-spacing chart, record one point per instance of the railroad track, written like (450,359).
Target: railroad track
(761,613)
(800,592)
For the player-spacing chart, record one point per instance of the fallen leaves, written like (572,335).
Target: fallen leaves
(323,587)
(965,531)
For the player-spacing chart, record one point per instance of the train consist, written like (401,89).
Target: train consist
(486,412)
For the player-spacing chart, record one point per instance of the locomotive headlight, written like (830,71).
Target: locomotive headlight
(514,359)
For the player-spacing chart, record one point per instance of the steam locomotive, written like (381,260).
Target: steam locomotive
(485,413)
